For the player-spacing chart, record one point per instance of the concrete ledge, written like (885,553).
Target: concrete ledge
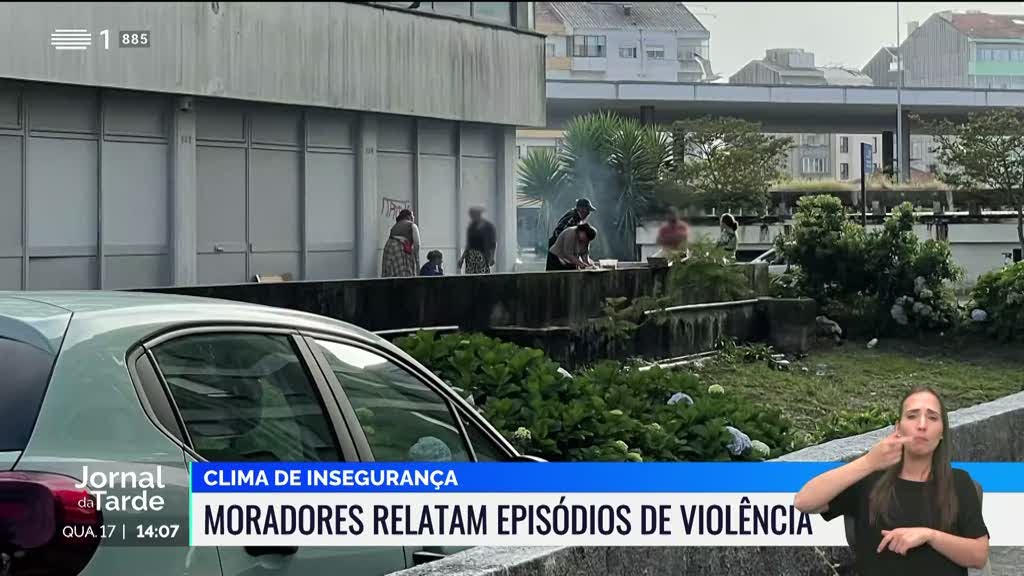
(993,431)
(646,561)
(989,432)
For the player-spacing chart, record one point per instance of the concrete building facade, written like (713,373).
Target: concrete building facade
(654,41)
(252,139)
(953,50)
(813,156)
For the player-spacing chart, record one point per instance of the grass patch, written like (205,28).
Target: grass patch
(863,387)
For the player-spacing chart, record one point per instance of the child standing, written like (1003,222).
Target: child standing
(433,265)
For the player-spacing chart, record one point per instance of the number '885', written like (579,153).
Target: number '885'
(134,38)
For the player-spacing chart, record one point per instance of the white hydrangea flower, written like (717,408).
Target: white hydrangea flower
(740,442)
(760,449)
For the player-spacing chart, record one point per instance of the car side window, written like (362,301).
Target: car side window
(404,420)
(246,397)
(486,449)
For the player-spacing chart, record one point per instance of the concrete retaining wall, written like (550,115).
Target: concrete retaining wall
(988,432)
(682,330)
(471,302)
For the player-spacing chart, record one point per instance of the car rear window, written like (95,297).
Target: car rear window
(24,372)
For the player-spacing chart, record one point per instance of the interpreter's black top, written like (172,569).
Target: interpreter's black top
(915,509)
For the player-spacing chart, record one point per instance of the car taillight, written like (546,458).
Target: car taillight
(43,527)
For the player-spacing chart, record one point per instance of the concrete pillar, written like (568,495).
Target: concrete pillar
(367,198)
(506,216)
(647,115)
(183,193)
(887,152)
(903,162)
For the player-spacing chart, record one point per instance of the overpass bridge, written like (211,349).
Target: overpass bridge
(800,109)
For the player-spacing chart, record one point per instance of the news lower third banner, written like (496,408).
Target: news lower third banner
(537,504)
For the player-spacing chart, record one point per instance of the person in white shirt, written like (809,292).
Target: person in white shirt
(572,248)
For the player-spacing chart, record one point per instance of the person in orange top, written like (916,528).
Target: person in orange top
(672,236)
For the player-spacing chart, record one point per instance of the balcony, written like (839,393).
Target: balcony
(589,64)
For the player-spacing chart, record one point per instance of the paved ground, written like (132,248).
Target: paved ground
(1004,562)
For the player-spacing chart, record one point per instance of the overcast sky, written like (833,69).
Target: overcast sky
(839,33)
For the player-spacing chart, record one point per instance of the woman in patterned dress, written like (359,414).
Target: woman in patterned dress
(402,249)
(481,243)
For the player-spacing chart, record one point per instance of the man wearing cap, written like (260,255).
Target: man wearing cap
(574,217)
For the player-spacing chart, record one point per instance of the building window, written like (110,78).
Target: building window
(655,52)
(814,165)
(497,12)
(984,54)
(627,52)
(844,171)
(844,144)
(588,46)
(549,50)
(452,8)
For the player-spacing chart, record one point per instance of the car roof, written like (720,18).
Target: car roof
(117,310)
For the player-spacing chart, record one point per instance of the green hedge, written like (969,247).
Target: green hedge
(1000,293)
(606,413)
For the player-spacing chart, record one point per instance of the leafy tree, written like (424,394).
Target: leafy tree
(986,152)
(542,179)
(727,162)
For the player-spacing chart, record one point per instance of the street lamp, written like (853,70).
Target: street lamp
(899,101)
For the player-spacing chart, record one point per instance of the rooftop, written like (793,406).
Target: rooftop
(613,16)
(983,25)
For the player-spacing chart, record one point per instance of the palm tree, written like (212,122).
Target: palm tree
(585,160)
(541,179)
(639,154)
(613,161)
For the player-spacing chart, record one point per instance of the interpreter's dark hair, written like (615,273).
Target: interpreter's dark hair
(939,490)
(434,254)
(729,221)
(588,230)
(405,214)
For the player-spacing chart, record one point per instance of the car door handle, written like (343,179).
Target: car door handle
(268,550)
(423,556)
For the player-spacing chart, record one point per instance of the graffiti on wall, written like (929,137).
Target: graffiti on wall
(390,207)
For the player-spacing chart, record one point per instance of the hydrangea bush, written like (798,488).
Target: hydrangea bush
(1000,294)
(885,280)
(606,413)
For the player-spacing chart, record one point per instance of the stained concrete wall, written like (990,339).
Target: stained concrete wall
(347,55)
(532,299)
(682,330)
(988,432)
(473,302)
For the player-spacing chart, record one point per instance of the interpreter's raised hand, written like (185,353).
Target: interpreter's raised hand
(903,540)
(888,452)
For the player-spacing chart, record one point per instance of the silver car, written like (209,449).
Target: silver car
(132,382)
